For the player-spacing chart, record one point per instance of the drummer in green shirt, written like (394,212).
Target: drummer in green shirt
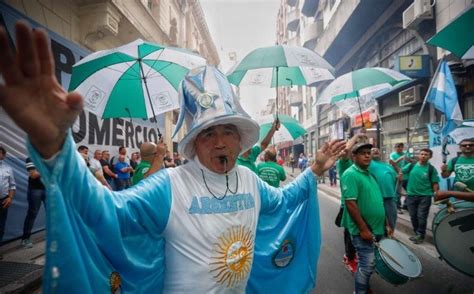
(423,182)
(463,165)
(364,213)
(152,160)
(249,157)
(349,259)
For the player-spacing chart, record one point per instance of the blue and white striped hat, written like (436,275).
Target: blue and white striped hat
(206,100)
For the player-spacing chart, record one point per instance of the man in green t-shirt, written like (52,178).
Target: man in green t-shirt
(249,157)
(400,158)
(364,214)
(152,160)
(386,178)
(463,166)
(423,182)
(270,171)
(344,162)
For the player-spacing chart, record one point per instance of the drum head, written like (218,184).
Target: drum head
(400,258)
(454,240)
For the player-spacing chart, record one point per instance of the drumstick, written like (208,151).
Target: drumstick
(388,255)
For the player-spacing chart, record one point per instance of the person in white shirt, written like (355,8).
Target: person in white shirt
(7,191)
(96,168)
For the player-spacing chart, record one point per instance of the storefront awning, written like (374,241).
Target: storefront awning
(457,37)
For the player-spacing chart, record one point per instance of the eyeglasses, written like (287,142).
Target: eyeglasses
(467,145)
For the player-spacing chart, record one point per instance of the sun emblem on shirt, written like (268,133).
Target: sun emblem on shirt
(233,256)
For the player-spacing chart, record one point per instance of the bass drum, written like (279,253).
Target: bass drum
(395,263)
(453,234)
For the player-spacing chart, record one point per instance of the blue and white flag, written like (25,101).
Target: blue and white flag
(442,94)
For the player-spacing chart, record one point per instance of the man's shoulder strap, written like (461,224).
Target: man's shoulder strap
(454,160)
(431,170)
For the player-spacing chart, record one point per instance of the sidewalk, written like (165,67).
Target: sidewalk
(21,269)
(403,220)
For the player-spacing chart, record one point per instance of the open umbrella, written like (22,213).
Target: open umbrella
(136,80)
(360,87)
(457,37)
(464,131)
(281,65)
(290,128)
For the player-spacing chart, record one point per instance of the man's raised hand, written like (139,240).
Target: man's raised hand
(327,155)
(32,96)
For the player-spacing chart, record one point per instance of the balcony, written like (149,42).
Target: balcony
(293,18)
(310,7)
(296,98)
(311,33)
(292,3)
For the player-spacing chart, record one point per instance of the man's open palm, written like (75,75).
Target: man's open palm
(32,96)
(327,155)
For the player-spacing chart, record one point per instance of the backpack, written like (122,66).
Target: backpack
(431,170)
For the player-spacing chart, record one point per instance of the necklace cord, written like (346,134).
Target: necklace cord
(226,183)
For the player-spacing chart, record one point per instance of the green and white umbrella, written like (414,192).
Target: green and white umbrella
(280,65)
(290,128)
(136,80)
(457,37)
(356,90)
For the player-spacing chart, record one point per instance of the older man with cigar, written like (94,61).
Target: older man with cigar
(207,226)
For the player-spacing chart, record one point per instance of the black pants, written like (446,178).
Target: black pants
(419,207)
(35,198)
(350,250)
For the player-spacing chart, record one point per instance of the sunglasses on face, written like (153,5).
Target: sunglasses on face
(467,145)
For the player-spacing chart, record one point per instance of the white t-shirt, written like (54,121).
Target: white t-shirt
(204,232)
(95,166)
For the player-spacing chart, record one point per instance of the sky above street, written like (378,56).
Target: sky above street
(240,26)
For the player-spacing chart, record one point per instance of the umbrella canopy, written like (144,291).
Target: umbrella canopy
(361,82)
(290,128)
(464,131)
(457,37)
(280,65)
(136,80)
(363,85)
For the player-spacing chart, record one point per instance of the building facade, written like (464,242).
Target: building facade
(296,101)
(354,34)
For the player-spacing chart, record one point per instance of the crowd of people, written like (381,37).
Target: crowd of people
(216,224)
(120,172)
(371,190)
(220,226)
